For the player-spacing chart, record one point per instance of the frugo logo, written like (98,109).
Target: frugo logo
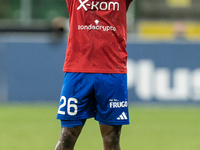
(163,84)
(98,5)
(114,103)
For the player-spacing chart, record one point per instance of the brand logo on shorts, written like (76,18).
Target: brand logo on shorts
(114,103)
(122,117)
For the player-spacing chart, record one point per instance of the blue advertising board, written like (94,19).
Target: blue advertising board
(164,72)
(157,72)
(35,71)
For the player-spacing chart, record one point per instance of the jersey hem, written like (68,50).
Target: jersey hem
(95,71)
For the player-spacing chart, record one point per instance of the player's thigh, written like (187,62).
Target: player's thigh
(70,133)
(110,130)
(77,98)
(68,137)
(111,135)
(112,99)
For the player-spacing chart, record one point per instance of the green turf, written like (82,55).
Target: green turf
(34,127)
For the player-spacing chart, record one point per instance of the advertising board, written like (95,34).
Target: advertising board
(164,72)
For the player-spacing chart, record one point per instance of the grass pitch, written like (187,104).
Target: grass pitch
(34,127)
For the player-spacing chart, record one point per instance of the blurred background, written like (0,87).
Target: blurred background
(163,75)
(163,47)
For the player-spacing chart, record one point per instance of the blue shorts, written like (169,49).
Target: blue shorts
(87,95)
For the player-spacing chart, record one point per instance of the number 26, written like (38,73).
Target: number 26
(69,106)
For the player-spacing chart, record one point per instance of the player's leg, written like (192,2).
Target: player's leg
(111,136)
(112,107)
(68,138)
(76,105)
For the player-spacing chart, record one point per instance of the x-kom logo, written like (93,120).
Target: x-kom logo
(98,5)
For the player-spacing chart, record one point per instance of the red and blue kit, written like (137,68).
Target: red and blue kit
(95,83)
(97,36)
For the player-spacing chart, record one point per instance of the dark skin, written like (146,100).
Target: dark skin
(110,135)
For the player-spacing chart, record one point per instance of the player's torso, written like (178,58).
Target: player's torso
(97,33)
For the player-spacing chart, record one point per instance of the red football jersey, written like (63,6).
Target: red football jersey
(97,36)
